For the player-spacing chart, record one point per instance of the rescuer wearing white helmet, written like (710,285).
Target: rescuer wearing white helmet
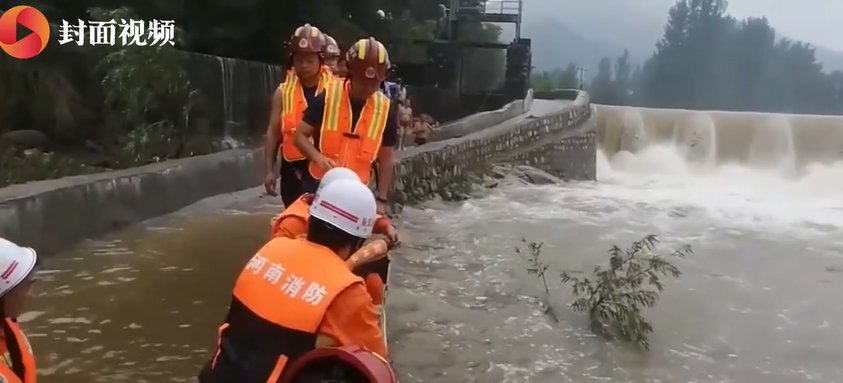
(295,295)
(292,221)
(337,174)
(17,270)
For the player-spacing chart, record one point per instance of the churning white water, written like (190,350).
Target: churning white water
(760,198)
(758,301)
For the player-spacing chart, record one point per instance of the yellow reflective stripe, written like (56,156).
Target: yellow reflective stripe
(379,119)
(332,105)
(288,95)
(381,53)
(361,49)
(324,80)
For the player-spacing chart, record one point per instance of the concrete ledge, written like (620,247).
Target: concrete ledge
(479,121)
(425,169)
(50,215)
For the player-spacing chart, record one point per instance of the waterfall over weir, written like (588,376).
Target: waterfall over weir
(786,143)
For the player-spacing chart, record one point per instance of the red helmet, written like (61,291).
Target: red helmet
(332,49)
(354,363)
(307,39)
(368,58)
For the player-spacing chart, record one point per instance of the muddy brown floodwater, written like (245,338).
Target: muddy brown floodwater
(142,305)
(758,302)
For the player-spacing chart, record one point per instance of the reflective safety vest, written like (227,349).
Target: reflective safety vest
(17,339)
(279,302)
(293,105)
(356,148)
(300,208)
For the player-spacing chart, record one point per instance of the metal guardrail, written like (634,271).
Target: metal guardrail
(493,7)
(503,7)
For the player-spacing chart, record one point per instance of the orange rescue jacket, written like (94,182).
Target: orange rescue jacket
(354,147)
(278,305)
(17,339)
(293,105)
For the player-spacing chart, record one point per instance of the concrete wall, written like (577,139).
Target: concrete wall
(479,121)
(426,169)
(53,214)
(236,93)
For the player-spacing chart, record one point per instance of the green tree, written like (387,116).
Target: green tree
(556,79)
(601,86)
(569,78)
(709,60)
(621,85)
(542,81)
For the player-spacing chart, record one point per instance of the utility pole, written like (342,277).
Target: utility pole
(581,70)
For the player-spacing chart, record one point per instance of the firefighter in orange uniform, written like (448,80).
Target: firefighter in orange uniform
(292,221)
(371,263)
(352,123)
(17,265)
(296,295)
(292,97)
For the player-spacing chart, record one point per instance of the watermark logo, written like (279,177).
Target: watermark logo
(32,43)
(131,32)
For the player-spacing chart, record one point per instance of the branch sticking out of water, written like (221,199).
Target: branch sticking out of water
(538,268)
(615,295)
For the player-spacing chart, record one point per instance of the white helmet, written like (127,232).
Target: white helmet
(336,174)
(348,205)
(16,263)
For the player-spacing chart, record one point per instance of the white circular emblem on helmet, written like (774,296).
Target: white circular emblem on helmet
(370,72)
(303,43)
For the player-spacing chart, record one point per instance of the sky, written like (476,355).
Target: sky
(819,22)
(815,21)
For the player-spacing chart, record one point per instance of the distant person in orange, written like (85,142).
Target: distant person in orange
(17,274)
(296,295)
(292,221)
(300,87)
(352,125)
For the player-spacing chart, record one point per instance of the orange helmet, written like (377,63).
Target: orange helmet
(332,49)
(307,39)
(351,361)
(368,58)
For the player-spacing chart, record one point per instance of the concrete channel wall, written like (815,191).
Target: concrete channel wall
(561,143)
(50,215)
(237,94)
